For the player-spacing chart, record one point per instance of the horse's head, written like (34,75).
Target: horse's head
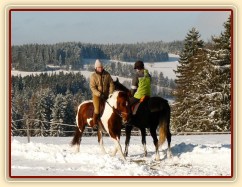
(120,87)
(119,100)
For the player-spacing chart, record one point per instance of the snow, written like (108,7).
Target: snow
(193,155)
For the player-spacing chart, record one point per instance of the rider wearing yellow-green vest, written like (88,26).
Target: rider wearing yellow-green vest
(141,83)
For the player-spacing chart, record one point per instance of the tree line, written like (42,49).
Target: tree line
(37,57)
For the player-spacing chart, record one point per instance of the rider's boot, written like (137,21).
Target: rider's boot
(95,122)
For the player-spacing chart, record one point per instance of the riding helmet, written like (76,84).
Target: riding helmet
(139,65)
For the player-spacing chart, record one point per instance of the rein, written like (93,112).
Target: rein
(115,110)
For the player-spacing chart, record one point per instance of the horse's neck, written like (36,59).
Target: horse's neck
(107,109)
(107,113)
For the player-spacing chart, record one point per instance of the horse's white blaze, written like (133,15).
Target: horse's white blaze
(109,110)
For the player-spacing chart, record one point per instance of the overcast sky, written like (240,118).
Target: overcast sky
(104,27)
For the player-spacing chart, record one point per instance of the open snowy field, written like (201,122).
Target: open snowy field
(193,155)
(167,68)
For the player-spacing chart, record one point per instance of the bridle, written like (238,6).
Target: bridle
(120,114)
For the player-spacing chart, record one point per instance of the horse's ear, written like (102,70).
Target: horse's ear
(117,80)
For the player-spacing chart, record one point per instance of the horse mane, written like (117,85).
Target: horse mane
(120,87)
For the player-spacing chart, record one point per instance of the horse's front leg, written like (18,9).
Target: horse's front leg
(155,141)
(100,140)
(114,151)
(118,148)
(128,129)
(143,140)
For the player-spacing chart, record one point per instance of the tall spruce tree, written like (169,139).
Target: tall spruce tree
(221,63)
(200,77)
(185,72)
(212,111)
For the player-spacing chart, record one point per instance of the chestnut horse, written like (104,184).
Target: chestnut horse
(116,111)
(153,113)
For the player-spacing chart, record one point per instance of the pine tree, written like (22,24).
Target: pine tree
(200,76)
(69,113)
(221,63)
(58,114)
(42,111)
(184,81)
(17,113)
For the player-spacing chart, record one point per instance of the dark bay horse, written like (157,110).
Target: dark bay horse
(116,111)
(153,113)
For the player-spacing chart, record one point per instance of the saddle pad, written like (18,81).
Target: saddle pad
(136,108)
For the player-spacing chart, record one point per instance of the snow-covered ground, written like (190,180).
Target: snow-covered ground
(193,155)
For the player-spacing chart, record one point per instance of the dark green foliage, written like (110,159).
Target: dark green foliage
(203,92)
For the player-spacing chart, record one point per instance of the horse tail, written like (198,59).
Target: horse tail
(76,138)
(78,133)
(164,124)
(162,135)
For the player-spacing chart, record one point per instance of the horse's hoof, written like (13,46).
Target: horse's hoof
(169,155)
(112,154)
(157,159)
(126,154)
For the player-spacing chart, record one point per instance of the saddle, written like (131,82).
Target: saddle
(153,104)
(136,105)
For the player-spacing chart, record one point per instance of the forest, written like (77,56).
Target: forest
(36,57)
